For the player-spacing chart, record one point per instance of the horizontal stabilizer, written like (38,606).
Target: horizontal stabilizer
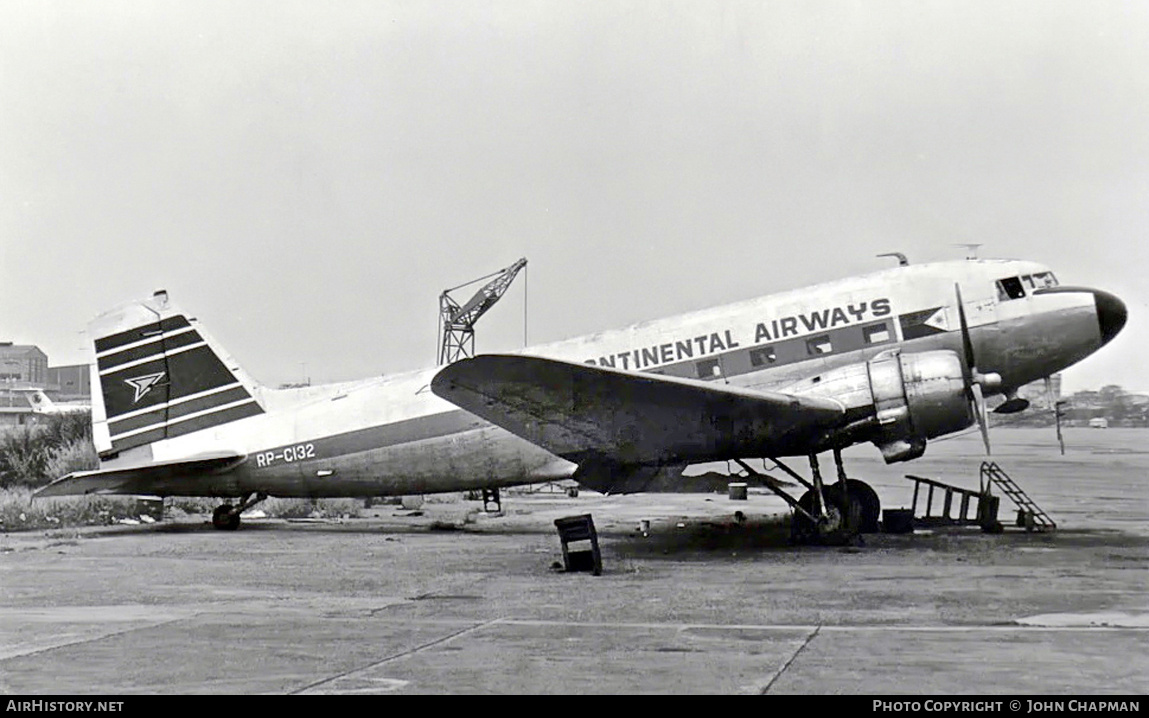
(582,411)
(196,476)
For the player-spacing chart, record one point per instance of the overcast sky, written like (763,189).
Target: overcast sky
(306,177)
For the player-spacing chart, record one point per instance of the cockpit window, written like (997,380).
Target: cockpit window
(1041,280)
(1010,288)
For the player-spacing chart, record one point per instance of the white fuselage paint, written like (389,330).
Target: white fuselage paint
(393,436)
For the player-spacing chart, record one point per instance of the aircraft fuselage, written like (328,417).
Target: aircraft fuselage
(392,435)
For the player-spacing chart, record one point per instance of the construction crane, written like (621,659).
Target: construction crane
(457,340)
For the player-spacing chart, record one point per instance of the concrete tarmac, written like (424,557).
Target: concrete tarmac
(454,601)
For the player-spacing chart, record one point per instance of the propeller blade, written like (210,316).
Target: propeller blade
(966,342)
(1051,398)
(982,416)
(972,378)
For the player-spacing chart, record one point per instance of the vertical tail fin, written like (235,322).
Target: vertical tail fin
(158,375)
(40,402)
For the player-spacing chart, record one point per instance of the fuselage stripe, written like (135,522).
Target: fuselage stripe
(406,431)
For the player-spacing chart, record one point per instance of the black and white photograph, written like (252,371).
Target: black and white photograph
(535,347)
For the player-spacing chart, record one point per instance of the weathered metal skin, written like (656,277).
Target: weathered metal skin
(392,435)
(898,401)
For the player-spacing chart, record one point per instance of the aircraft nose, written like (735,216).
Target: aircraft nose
(1111,314)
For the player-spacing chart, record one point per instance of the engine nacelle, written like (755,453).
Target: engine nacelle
(898,401)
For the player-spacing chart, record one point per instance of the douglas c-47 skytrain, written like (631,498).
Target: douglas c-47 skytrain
(894,358)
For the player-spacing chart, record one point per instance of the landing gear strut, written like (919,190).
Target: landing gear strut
(828,515)
(226,517)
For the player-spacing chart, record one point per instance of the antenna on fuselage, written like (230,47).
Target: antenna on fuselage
(902,261)
(971,250)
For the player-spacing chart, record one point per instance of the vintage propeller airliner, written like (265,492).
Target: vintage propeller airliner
(894,358)
(42,404)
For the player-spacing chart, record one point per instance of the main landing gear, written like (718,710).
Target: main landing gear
(226,517)
(829,515)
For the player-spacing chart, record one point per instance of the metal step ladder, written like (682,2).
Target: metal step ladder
(976,508)
(1029,515)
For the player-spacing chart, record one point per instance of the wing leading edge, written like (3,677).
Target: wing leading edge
(586,413)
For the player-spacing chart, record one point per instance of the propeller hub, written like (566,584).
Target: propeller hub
(990,382)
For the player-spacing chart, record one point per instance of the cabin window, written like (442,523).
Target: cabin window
(877,334)
(708,369)
(1010,288)
(763,356)
(819,345)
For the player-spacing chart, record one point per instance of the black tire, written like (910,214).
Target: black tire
(225,518)
(871,505)
(804,531)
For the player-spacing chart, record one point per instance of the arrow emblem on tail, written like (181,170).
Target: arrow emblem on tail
(143,384)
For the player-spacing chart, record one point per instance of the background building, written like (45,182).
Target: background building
(23,363)
(69,383)
(25,366)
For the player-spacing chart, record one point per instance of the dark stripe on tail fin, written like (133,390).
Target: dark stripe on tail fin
(147,331)
(179,427)
(170,411)
(136,352)
(163,380)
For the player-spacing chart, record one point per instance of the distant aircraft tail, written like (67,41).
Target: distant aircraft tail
(40,402)
(158,376)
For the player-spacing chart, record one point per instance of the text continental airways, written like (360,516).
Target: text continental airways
(764,331)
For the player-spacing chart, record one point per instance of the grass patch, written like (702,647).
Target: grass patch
(313,509)
(19,513)
(34,454)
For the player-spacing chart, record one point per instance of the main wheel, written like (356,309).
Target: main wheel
(837,527)
(871,506)
(225,518)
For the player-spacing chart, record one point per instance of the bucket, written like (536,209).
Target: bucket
(898,521)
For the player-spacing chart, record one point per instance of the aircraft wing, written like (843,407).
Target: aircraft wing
(193,476)
(586,413)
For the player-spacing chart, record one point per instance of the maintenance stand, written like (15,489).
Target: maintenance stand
(579,528)
(983,503)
